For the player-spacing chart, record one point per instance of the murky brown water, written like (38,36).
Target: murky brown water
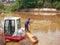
(48,29)
(49,38)
(44,38)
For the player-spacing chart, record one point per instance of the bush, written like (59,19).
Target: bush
(1,6)
(57,5)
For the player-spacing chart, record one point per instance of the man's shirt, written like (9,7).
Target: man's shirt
(27,22)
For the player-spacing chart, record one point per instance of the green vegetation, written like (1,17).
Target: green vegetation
(23,4)
(57,5)
(1,7)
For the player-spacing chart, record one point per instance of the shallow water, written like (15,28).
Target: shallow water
(49,38)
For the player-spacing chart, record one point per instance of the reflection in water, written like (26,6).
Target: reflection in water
(49,38)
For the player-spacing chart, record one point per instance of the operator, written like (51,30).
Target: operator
(27,23)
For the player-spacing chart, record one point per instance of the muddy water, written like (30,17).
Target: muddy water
(49,38)
(12,43)
(45,38)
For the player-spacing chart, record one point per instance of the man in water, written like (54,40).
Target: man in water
(27,23)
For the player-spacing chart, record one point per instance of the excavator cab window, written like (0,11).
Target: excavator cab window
(9,27)
(18,24)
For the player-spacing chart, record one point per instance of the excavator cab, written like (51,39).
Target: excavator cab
(12,28)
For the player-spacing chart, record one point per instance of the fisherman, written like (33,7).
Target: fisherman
(27,23)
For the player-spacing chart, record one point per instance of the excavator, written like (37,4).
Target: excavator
(14,31)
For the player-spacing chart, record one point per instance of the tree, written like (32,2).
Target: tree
(57,5)
(1,6)
(39,3)
(21,4)
(24,4)
(29,3)
(17,6)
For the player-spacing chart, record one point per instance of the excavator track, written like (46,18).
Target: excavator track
(22,42)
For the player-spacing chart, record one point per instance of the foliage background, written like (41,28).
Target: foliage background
(25,4)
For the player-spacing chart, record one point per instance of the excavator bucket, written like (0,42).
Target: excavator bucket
(31,37)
